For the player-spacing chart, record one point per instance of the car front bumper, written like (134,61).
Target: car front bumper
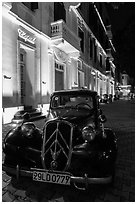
(18,172)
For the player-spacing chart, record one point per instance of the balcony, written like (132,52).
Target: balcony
(109,54)
(109,32)
(64,38)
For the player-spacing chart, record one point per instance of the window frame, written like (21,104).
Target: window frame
(91,48)
(82,41)
(100,60)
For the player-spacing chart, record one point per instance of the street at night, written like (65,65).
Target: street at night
(121,118)
(68,101)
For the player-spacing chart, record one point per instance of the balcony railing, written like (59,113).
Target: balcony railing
(60,31)
(109,32)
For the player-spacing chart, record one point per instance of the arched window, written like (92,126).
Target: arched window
(59,11)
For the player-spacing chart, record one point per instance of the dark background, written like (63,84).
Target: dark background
(122,16)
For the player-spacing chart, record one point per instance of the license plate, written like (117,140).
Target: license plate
(51,177)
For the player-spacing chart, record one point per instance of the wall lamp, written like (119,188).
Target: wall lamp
(43,82)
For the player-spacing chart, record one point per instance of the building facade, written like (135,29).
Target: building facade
(124,88)
(49,46)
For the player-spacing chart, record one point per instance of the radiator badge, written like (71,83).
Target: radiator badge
(54,157)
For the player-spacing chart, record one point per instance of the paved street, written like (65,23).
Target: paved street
(120,115)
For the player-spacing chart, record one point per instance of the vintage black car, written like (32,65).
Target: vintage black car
(73,147)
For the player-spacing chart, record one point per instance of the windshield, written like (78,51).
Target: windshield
(72,101)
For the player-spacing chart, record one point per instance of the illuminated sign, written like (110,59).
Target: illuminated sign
(26,36)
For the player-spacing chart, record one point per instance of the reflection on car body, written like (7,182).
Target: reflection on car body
(73,147)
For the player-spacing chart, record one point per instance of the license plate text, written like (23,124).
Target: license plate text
(51,177)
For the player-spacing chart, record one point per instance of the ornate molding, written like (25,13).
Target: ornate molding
(59,54)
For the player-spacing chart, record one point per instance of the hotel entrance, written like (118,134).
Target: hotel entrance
(26,75)
(22,73)
(59,76)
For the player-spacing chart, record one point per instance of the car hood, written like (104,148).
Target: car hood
(72,115)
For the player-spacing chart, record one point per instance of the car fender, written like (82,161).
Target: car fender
(16,138)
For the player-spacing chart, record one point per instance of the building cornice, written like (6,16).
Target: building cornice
(29,26)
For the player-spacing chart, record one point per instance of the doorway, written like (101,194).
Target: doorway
(22,71)
(59,76)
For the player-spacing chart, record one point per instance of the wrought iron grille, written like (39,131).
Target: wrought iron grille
(57,145)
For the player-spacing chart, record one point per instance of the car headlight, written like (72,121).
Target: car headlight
(88,133)
(28,129)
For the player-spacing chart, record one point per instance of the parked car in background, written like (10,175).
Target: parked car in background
(104,98)
(116,97)
(110,98)
(74,147)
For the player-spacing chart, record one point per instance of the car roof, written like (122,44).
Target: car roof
(75,92)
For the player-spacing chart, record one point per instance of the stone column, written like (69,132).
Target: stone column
(68,76)
(51,74)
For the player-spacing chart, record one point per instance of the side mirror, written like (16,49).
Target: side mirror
(102,118)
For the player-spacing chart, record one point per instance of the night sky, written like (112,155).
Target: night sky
(122,17)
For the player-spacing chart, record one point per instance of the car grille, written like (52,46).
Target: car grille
(57,145)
